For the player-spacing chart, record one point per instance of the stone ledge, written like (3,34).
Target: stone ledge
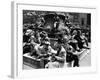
(32,61)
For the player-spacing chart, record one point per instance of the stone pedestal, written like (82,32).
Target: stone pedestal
(32,61)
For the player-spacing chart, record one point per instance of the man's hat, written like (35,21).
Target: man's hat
(43,33)
(47,43)
(29,31)
(69,48)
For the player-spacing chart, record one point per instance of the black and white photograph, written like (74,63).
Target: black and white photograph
(55,39)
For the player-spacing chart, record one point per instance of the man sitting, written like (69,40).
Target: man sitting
(44,52)
(71,57)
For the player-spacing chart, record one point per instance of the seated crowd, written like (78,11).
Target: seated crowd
(63,50)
